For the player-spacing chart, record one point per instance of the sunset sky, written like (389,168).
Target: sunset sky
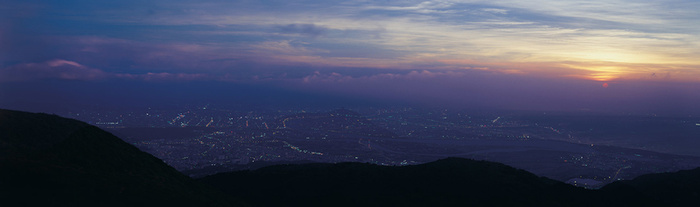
(540,54)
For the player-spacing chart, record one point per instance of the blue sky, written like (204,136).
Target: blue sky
(371,49)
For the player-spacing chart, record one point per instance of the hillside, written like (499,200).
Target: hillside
(47,160)
(680,188)
(447,182)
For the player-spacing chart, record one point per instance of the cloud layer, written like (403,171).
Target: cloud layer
(54,69)
(472,52)
(625,39)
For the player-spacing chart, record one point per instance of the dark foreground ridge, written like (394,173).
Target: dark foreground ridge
(447,182)
(46,160)
(680,188)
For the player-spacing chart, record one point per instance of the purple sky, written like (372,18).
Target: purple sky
(525,55)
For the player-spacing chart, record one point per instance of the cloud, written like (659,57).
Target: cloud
(411,75)
(117,55)
(303,29)
(58,63)
(188,37)
(165,76)
(59,69)
(285,47)
(53,69)
(496,11)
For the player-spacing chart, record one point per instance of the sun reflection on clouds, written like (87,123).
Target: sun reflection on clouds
(597,40)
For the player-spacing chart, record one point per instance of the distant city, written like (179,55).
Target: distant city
(580,149)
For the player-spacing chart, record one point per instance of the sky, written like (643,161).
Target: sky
(607,55)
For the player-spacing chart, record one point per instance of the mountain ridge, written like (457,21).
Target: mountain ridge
(446,182)
(49,160)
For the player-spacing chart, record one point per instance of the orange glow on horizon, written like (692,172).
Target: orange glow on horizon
(601,71)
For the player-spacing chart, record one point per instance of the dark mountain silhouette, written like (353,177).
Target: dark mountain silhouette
(340,121)
(46,160)
(680,188)
(447,182)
